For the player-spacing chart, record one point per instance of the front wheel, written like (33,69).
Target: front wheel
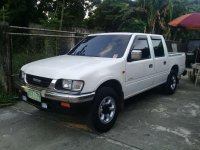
(171,84)
(105,109)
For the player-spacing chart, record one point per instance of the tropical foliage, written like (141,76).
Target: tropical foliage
(150,16)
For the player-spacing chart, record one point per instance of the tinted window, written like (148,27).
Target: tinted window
(193,45)
(141,43)
(111,46)
(158,47)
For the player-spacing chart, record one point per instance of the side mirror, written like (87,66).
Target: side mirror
(136,55)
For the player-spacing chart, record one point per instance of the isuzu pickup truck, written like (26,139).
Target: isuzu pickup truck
(102,71)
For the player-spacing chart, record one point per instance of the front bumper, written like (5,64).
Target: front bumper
(58,96)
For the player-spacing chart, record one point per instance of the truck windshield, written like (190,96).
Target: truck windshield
(110,46)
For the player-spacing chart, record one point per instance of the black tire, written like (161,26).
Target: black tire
(40,108)
(104,114)
(171,84)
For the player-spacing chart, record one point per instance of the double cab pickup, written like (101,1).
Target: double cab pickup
(102,71)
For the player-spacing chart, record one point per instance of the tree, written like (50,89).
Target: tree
(4,13)
(159,14)
(150,16)
(21,12)
(48,12)
(70,13)
(117,15)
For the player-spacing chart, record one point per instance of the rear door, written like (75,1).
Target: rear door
(139,73)
(160,60)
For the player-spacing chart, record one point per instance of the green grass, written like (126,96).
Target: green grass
(20,59)
(6,99)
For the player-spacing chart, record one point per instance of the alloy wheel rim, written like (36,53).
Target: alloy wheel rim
(107,110)
(173,82)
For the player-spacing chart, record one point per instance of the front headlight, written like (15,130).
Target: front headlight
(72,85)
(67,84)
(77,85)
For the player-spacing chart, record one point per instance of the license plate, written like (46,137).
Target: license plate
(34,95)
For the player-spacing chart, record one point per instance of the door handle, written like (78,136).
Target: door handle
(164,62)
(150,65)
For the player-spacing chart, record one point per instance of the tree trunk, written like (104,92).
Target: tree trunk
(5,59)
(62,14)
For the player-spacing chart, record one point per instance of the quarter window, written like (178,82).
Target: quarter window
(158,47)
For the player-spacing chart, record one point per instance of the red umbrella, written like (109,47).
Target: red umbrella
(189,21)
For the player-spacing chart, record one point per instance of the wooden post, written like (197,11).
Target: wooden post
(5,59)
(9,63)
(3,82)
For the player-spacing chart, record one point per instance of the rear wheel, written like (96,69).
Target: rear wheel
(171,84)
(105,109)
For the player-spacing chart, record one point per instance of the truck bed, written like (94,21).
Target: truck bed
(171,54)
(177,59)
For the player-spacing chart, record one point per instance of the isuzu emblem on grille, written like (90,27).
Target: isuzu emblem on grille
(36,80)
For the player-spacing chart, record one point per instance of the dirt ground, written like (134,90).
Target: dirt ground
(150,121)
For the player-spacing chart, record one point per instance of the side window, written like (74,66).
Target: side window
(141,43)
(158,47)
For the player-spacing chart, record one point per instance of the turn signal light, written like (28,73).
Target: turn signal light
(65,104)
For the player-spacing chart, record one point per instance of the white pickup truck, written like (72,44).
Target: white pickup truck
(102,70)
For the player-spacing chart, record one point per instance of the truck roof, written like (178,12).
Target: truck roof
(122,33)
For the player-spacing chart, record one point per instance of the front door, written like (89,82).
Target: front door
(139,73)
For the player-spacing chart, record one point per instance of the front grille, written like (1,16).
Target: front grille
(38,81)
